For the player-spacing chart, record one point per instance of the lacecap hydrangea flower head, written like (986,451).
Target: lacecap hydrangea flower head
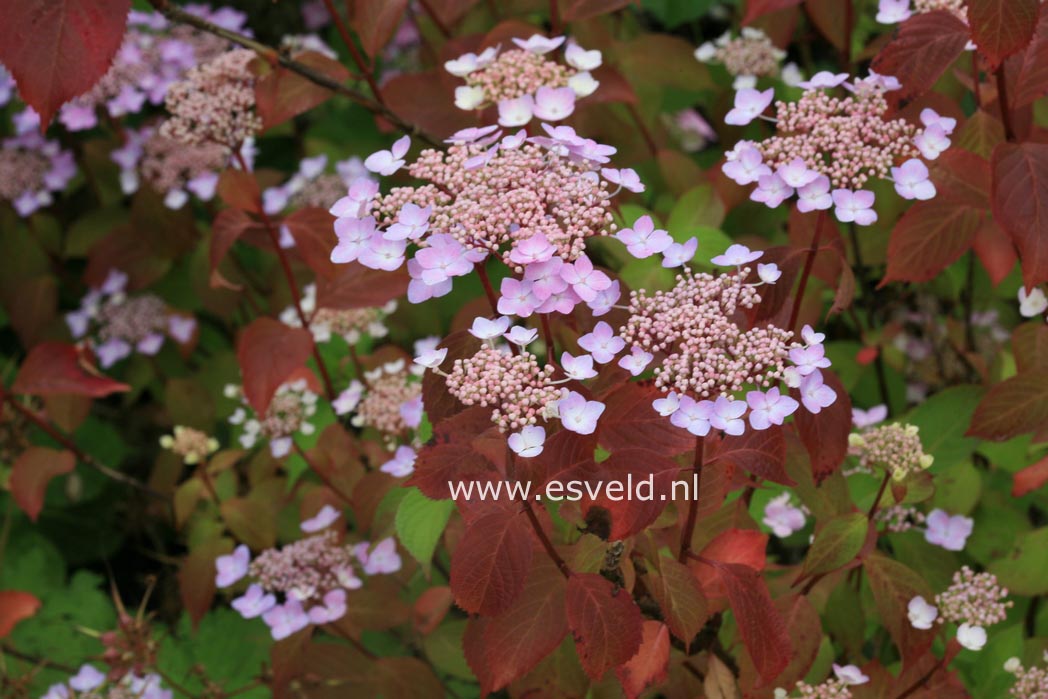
(526,81)
(747,57)
(827,148)
(33,170)
(289,413)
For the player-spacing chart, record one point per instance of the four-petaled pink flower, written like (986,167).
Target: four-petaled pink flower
(286,619)
(528,442)
(442,259)
(432,358)
(232,567)
(893,11)
(581,59)
(538,44)
(536,248)
(554,103)
(332,609)
(321,520)
(627,178)
(771,191)
(517,111)
(783,518)
(815,394)
(678,254)
(386,162)
(254,602)
(736,256)
(602,343)
(823,79)
(932,141)
(815,196)
(644,240)
(579,368)
(727,415)
(585,281)
(770,408)
(487,329)
(578,414)
(930,118)
(356,201)
(382,253)
(412,223)
(693,416)
(522,336)
(949,532)
(854,206)
(850,674)
(517,298)
(402,464)
(383,559)
(636,361)
(911,180)
(749,104)
(862,419)
(745,165)
(666,405)
(809,359)
(354,234)
(768,273)
(796,173)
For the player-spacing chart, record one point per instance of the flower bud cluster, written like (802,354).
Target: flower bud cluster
(289,413)
(896,448)
(214,103)
(749,56)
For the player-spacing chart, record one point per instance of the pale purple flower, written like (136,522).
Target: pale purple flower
(771,191)
(402,464)
(514,141)
(921,614)
(578,414)
(286,619)
(932,141)
(693,416)
(539,44)
(531,250)
(727,415)
(854,206)
(280,447)
(815,394)
(383,559)
(232,567)
(579,368)
(321,520)
(356,201)
(850,674)
(893,11)
(432,358)
(644,240)
(768,273)
(78,322)
(254,602)
(747,166)
(636,362)
(585,281)
(1032,303)
(332,609)
(554,103)
(815,196)
(469,62)
(76,116)
(627,178)
(796,173)
(112,351)
(347,401)
(411,412)
(809,359)
(487,329)
(666,405)
(545,278)
(749,104)
(521,336)
(354,234)
(347,577)
(528,442)
(930,118)
(563,301)
(443,258)
(474,134)
(971,637)
(516,298)
(736,256)
(949,532)
(386,162)
(862,419)
(87,678)
(783,518)
(605,300)
(382,253)
(150,344)
(517,111)
(602,343)
(583,84)
(770,408)
(911,180)
(811,337)
(412,223)
(823,79)
(678,254)
(581,59)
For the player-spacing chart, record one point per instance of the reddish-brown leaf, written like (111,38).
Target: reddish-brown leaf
(827,17)
(31,307)
(1030,346)
(32,471)
(894,585)
(530,629)
(251,521)
(268,352)
(1002,27)
(576,10)
(923,47)
(196,577)
(755,9)
(737,546)
(314,232)
(426,101)
(15,606)
(282,94)
(58,49)
(474,647)
(492,561)
(565,455)
(995,250)
(761,452)
(825,435)
(636,470)
(1030,478)
(930,237)
(1013,407)
(1031,66)
(1020,203)
(55,367)
(228,226)
(430,609)
(240,190)
(605,622)
(677,590)
(353,285)
(629,420)
(760,623)
(375,21)
(649,666)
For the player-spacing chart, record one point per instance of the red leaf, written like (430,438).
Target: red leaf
(677,590)
(1030,346)
(893,586)
(268,352)
(1020,203)
(32,471)
(228,226)
(928,238)
(196,577)
(631,515)
(761,452)
(565,455)
(825,435)
(58,49)
(240,190)
(755,9)
(585,9)
(474,647)
(923,47)
(426,101)
(353,285)
(744,547)
(629,420)
(375,21)
(54,368)
(1030,478)
(760,623)
(1001,27)
(491,562)
(15,605)
(430,609)
(314,232)
(282,94)
(1013,407)
(649,666)
(530,629)
(605,622)
(995,251)
(1031,66)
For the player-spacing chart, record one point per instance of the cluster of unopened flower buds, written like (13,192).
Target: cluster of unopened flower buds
(350,324)
(289,413)
(748,57)
(525,82)
(32,170)
(973,601)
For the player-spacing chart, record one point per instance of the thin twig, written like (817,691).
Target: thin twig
(806,272)
(688,532)
(546,543)
(366,71)
(427,7)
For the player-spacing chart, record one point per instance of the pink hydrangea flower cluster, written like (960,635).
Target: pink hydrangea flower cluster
(311,575)
(749,56)
(826,148)
(351,324)
(1030,682)
(288,414)
(171,168)
(91,683)
(154,55)
(32,170)
(900,518)
(973,598)
(525,82)
(706,355)
(214,103)
(531,202)
(830,689)
(389,400)
(896,448)
(115,324)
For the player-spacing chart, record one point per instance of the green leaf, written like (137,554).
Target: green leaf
(1022,569)
(444,649)
(699,206)
(420,522)
(943,420)
(836,543)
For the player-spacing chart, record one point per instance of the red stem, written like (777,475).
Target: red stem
(693,506)
(547,334)
(427,7)
(1002,100)
(546,543)
(322,476)
(489,291)
(554,17)
(354,52)
(806,272)
(880,493)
